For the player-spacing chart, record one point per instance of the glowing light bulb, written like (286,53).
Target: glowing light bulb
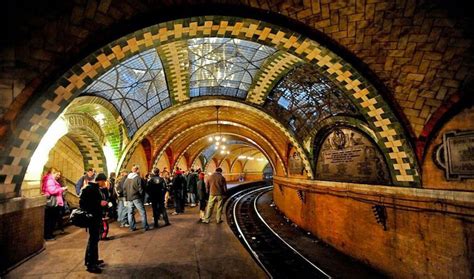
(224,139)
(215,147)
(228,152)
(222,151)
(217,143)
(211,139)
(217,138)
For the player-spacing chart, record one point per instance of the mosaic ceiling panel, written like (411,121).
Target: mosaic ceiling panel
(137,88)
(304,97)
(224,66)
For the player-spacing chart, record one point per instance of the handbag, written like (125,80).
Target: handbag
(51,201)
(81,218)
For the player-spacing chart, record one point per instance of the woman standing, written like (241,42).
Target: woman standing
(54,194)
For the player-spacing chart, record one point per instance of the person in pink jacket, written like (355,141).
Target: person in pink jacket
(54,194)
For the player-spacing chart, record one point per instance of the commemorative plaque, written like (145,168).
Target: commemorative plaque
(348,155)
(456,155)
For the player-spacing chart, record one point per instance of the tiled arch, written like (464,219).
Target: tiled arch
(371,104)
(236,135)
(176,111)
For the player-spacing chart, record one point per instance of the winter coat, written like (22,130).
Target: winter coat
(52,187)
(133,187)
(119,187)
(90,200)
(156,188)
(201,190)
(192,182)
(216,185)
(179,184)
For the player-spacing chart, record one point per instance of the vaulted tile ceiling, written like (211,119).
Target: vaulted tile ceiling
(140,86)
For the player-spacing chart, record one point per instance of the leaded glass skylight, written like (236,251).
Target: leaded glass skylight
(136,87)
(304,97)
(224,66)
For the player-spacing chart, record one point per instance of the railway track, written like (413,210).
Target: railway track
(276,257)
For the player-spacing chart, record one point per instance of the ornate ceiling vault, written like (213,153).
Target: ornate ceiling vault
(166,70)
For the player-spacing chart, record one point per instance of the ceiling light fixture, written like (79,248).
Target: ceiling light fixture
(218,140)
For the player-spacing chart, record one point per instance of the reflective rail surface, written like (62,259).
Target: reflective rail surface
(276,257)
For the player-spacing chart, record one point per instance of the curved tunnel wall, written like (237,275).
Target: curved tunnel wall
(404,81)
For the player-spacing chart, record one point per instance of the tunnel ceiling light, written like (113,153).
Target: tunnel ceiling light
(218,139)
(250,158)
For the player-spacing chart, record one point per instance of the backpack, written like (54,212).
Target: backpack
(80,218)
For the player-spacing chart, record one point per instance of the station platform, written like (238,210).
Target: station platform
(186,249)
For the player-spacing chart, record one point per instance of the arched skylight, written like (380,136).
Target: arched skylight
(224,66)
(304,97)
(136,87)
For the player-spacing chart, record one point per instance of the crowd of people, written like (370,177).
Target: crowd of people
(117,198)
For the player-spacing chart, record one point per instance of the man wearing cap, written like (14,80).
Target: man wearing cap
(217,188)
(92,201)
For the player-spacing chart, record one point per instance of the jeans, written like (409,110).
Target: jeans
(178,202)
(210,208)
(191,198)
(92,250)
(122,211)
(131,205)
(159,208)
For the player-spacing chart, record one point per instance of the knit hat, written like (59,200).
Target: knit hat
(101,176)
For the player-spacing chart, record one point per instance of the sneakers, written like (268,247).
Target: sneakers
(193,205)
(124,225)
(174,213)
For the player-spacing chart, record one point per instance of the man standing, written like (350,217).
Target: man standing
(134,196)
(216,187)
(92,202)
(156,188)
(192,187)
(89,175)
(178,187)
(122,212)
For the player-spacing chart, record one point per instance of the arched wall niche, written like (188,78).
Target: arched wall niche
(345,153)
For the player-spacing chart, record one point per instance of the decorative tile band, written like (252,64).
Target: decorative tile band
(175,61)
(269,75)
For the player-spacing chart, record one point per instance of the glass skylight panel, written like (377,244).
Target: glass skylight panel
(136,87)
(224,63)
(304,97)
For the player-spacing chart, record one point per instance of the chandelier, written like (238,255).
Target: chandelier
(219,140)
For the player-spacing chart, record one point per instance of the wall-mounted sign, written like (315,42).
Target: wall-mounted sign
(348,155)
(456,155)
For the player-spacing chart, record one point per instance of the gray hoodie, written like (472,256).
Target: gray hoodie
(133,187)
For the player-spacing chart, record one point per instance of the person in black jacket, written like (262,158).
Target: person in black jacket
(156,189)
(91,201)
(178,188)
